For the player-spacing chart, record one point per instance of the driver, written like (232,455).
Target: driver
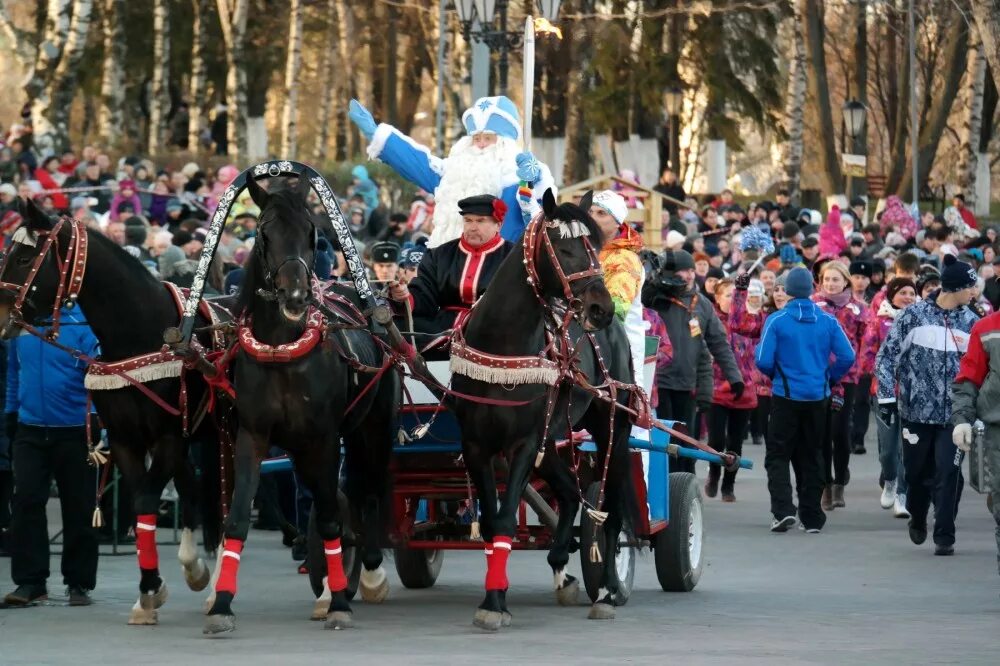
(453,275)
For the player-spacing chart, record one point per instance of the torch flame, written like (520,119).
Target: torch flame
(543,27)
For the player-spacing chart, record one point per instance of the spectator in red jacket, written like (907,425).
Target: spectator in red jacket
(45,174)
(967,216)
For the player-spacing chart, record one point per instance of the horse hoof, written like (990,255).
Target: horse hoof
(140,616)
(374,586)
(338,620)
(320,609)
(505,619)
(197,575)
(219,624)
(209,602)
(488,620)
(601,611)
(569,594)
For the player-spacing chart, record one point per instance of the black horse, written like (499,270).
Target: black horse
(510,321)
(299,399)
(128,310)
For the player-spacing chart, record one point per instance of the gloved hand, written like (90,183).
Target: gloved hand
(837,401)
(363,118)
(961,436)
(737,389)
(742,281)
(528,168)
(887,412)
(10,425)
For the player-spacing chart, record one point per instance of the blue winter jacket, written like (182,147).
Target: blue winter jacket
(795,349)
(45,384)
(920,358)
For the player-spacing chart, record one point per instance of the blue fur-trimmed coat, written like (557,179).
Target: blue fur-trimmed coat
(920,358)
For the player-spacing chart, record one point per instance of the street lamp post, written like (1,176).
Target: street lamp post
(496,37)
(673,98)
(855,115)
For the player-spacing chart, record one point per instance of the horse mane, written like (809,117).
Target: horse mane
(570,212)
(137,271)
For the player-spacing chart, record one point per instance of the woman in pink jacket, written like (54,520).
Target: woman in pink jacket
(835,298)
(832,240)
(729,415)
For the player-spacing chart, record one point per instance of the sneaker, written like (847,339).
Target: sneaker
(944,550)
(26,595)
(78,596)
(809,530)
(783,524)
(918,533)
(888,495)
(899,507)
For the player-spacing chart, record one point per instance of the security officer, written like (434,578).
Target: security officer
(385,261)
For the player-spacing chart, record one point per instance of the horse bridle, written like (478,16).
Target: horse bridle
(269,274)
(71,270)
(537,234)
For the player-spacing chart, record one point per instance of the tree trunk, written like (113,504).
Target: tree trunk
(53,83)
(198,84)
(349,75)
(795,100)
(954,57)
(972,122)
(233,18)
(859,186)
(159,104)
(832,180)
(326,84)
(578,134)
(293,62)
(18,41)
(987,16)
(113,77)
(900,108)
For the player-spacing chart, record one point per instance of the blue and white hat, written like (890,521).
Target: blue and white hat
(493,114)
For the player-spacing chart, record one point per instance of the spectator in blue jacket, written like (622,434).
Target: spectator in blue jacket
(795,351)
(46,416)
(6,475)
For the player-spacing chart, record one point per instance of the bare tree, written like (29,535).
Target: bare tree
(293,62)
(159,104)
(233,18)
(51,86)
(811,12)
(972,122)
(18,41)
(578,133)
(196,90)
(795,99)
(326,83)
(987,16)
(113,73)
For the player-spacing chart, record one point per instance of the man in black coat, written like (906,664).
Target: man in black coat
(452,276)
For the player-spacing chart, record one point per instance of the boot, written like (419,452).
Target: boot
(838,495)
(712,482)
(826,501)
(728,482)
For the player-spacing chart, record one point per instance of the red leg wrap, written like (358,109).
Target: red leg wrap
(231,552)
(145,541)
(335,578)
(496,565)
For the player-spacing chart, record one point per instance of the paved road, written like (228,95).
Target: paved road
(859,593)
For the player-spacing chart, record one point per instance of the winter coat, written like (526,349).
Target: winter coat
(743,348)
(59,200)
(796,349)
(118,200)
(5,452)
(831,236)
(976,390)
(750,325)
(677,314)
(920,358)
(853,318)
(896,215)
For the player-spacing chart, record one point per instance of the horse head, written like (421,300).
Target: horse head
(284,251)
(33,289)
(569,268)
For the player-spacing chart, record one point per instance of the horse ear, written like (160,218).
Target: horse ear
(548,203)
(257,193)
(304,187)
(586,200)
(35,218)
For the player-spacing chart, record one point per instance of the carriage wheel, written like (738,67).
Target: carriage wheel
(316,559)
(679,549)
(592,572)
(418,569)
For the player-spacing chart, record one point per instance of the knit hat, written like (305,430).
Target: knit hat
(677,260)
(957,275)
(675,240)
(896,285)
(613,203)
(799,283)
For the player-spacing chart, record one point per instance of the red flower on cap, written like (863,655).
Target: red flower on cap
(499,210)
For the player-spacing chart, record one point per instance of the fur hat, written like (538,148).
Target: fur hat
(498,115)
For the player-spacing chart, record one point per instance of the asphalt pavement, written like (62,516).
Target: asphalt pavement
(858,593)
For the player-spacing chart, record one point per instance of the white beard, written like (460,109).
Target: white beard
(469,171)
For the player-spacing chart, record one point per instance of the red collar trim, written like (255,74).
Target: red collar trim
(488,246)
(263,353)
